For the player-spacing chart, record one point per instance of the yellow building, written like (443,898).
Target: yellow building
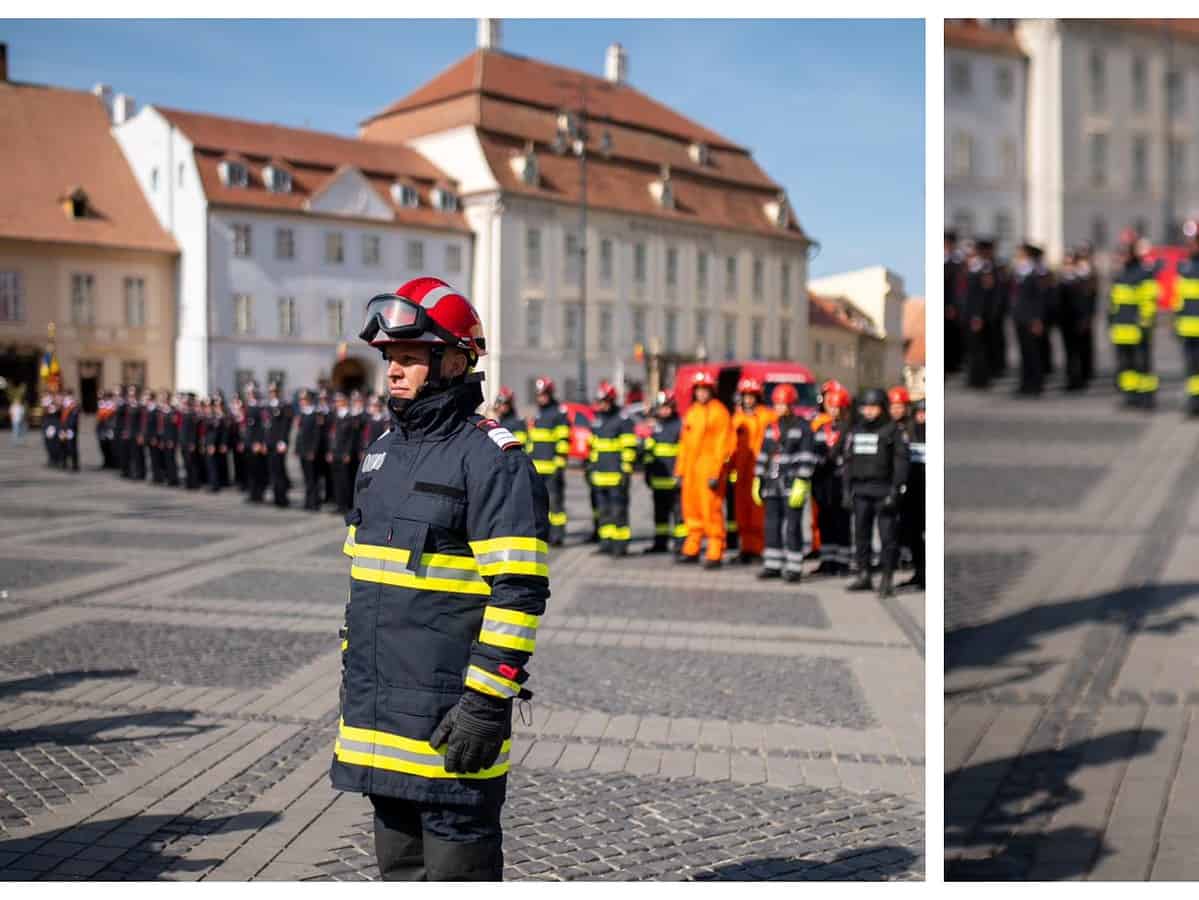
(79,249)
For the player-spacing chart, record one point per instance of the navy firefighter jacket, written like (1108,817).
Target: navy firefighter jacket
(448,582)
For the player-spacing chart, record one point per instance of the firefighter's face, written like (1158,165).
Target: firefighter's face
(920,417)
(703,394)
(871,411)
(898,411)
(407,368)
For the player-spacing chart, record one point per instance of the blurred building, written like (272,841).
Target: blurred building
(1110,114)
(878,293)
(845,344)
(285,234)
(914,345)
(79,248)
(691,249)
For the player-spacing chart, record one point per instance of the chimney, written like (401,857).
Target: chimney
(123,109)
(104,92)
(616,64)
(489,34)
(3,62)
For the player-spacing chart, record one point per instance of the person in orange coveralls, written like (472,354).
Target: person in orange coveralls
(702,464)
(749,428)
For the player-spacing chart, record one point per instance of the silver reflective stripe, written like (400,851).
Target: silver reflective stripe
(496,556)
(384,565)
(865,444)
(772,553)
(504,690)
(422,759)
(498,627)
(430,299)
(917,452)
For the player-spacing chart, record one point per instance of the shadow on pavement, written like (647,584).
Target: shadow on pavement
(53,681)
(986,804)
(873,863)
(171,724)
(989,644)
(142,848)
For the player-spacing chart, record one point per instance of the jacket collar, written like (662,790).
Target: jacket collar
(439,414)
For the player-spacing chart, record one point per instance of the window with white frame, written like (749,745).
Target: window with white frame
(962,156)
(605,329)
(133,371)
(335,318)
(672,268)
(1098,160)
(570,258)
(1140,162)
(785,286)
(533,323)
(242,379)
(701,273)
(756,333)
(1140,84)
(285,243)
(233,173)
(135,302)
(241,241)
(83,308)
(453,259)
(759,278)
(287,317)
(1097,71)
(1175,91)
(278,180)
(445,199)
(701,327)
(959,77)
(730,337)
(405,195)
(416,255)
(12,297)
(570,325)
(639,315)
(639,263)
(335,248)
(785,340)
(605,262)
(532,254)
(372,250)
(1009,159)
(730,276)
(672,331)
(243,314)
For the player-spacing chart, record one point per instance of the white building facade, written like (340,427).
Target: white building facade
(879,293)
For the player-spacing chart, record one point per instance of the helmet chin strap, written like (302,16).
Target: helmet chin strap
(435,382)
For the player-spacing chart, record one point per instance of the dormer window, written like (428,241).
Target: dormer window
(445,199)
(234,174)
(525,165)
(75,204)
(405,195)
(699,153)
(778,211)
(277,179)
(662,190)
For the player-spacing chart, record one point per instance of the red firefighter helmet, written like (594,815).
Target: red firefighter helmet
(834,393)
(424,309)
(505,395)
(703,379)
(544,385)
(605,391)
(749,385)
(784,394)
(899,394)
(1190,229)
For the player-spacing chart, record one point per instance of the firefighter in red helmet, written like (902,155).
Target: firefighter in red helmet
(505,414)
(612,452)
(659,453)
(1131,318)
(447,532)
(749,429)
(782,483)
(702,467)
(549,444)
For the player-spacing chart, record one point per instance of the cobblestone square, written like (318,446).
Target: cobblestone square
(171,717)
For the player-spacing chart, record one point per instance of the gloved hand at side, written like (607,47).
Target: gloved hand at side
(757,491)
(799,493)
(473,732)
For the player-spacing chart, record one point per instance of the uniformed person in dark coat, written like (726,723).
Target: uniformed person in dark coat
(955,269)
(505,413)
(876,453)
(658,456)
(1030,308)
(119,445)
(979,313)
(308,427)
(324,471)
(128,433)
(613,446)
(168,438)
(997,344)
(215,435)
(912,510)
(376,422)
(256,446)
(278,436)
(1087,310)
(141,436)
(343,448)
(68,433)
(188,440)
(154,423)
(549,446)
(783,484)
(237,443)
(449,581)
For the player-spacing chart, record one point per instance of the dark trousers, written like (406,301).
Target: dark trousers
(593,493)
(257,476)
(431,842)
(865,511)
(312,499)
(911,527)
(343,485)
(191,477)
(668,519)
(200,463)
(280,484)
(1046,341)
(614,519)
(1072,340)
(997,346)
(138,467)
(1134,367)
(555,486)
(121,446)
(211,464)
(978,363)
(835,525)
(953,345)
(170,467)
(732,534)
(784,536)
(1190,351)
(1032,360)
(1086,354)
(324,477)
(106,453)
(70,454)
(239,468)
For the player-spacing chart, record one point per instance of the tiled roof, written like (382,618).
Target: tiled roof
(54,140)
(312,158)
(968,34)
(829,312)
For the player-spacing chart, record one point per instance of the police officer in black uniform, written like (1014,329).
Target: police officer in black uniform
(168,439)
(978,313)
(255,440)
(188,439)
(613,452)
(127,434)
(911,507)
(449,580)
(324,471)
(308,425)
(343,448)
(278,436)
(549,445)
(876,454)
(954,272)
(1030,311)
(658,456)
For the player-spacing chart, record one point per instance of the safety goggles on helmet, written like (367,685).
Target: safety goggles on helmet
(399,319)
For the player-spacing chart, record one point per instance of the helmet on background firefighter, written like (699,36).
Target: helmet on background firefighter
(873,397)
(505,396)
(1190,231)
(784,394)
(544,385)
(605,391)
(703,379)
(749,385)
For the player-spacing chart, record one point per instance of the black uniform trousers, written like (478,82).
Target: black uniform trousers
(784,536)
(613,518)
(1032,360)
(212,466)
(953,344)
(978,363)
(865,511)
(312,498)
(191,475)
(1134,358)
(280,484)
(1190,351)
(732,534)
(911,528)
(438,842)
(343,484)
(170,467)
(555,486)
(200,465)
(122,455)
(137,466)
(70,453)
(157,469)
(257,476)
(1072,341)
(239,468)
(668,517)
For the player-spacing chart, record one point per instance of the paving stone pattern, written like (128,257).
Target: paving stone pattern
(176,722)
(974,581)
(740,686)
(976,429)
(784,608)
(564,826)
(1018,486)
(192,654)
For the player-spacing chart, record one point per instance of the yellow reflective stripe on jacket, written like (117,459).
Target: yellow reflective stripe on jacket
(543,435)
(606,445)
(663,483)
(666,450)
(557,518)
(1185,289)
(435,572)
(512,556)
(546,466)
(348,547)
(628,440)
(1193,385)
(491,683)
(380,750)
(562,448)
(1124,293)
(1125,334)
(606,479)
(1187,326)
(509,628)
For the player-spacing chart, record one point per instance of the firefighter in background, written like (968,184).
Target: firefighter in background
(279,415)
(898,401)
(979,313)
(505,413)
(1186,312)
(612,452)
(1131,318)
(702,464)
(549,443)
(658,455)
(911,507)
(749,430)
(1076,312)
(782,484)
(68,432)
(954,270)
(828,480)
(1031,313)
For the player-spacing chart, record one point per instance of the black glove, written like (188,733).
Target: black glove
(714,484)
(473,732)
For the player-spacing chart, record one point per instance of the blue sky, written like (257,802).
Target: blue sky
(832,110)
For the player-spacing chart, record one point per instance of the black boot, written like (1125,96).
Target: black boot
(656,547)
(792,577)
(861,583)
(916,581)
(885,588)
(712,563)
(769,573)
(684,558)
